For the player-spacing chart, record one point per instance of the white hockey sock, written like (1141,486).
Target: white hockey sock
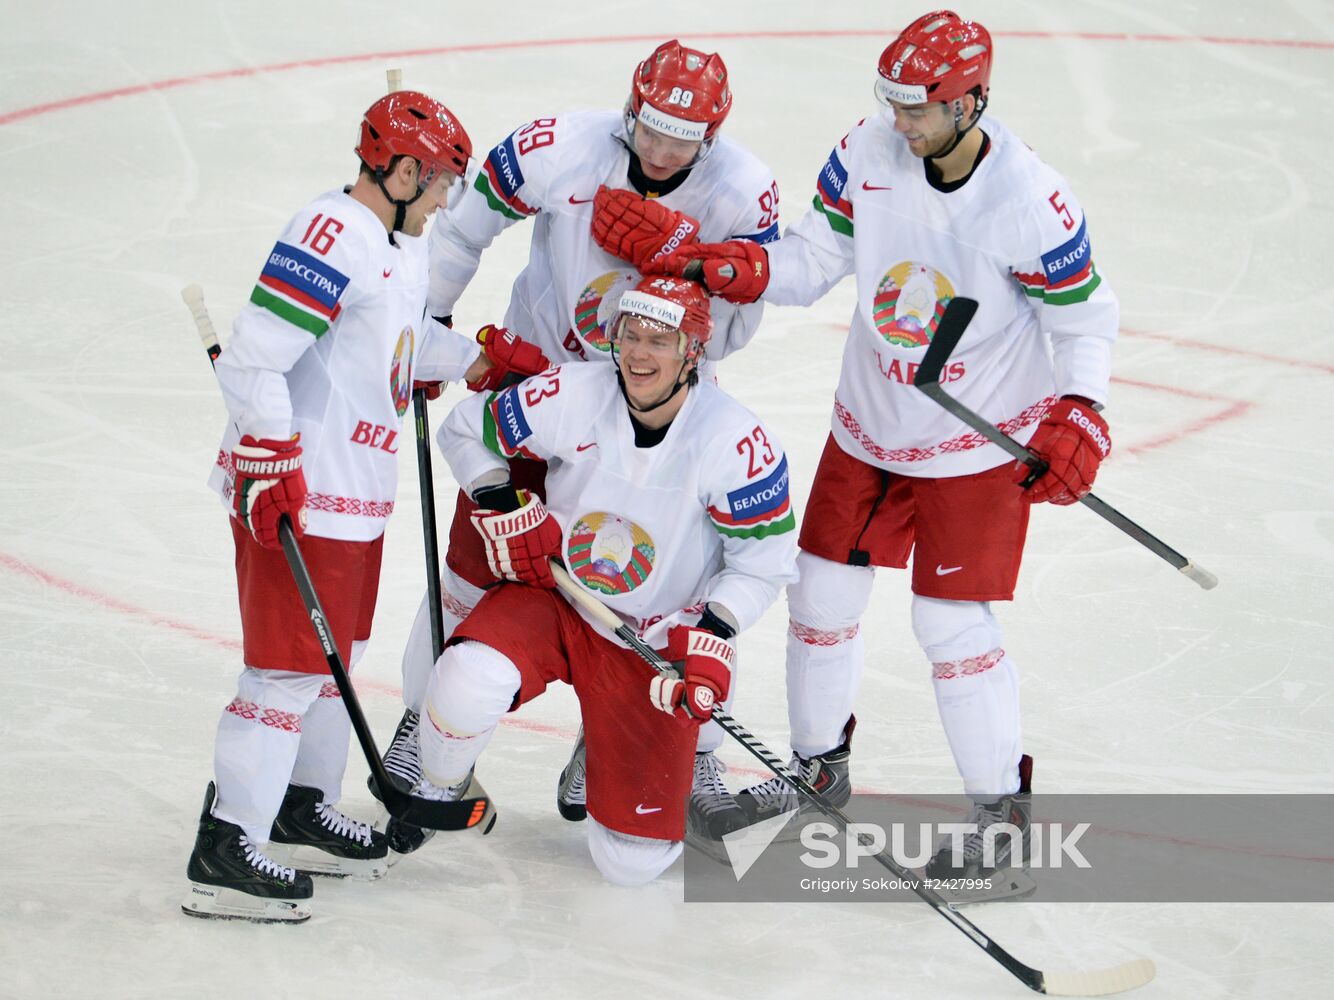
(824,650)
(977,692)
(471,687)
(326,730)
(457,598)
(256,746)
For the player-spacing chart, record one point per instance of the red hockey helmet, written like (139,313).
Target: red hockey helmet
(680,92)
(408,123)
(939,57)
(668,304)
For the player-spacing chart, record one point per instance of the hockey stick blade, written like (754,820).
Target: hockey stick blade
(927,380)
(949,331)
(1092,983)
(459,815)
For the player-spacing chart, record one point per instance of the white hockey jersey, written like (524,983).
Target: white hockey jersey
(1013,237)
(551,168)
(327,347)
(655,532)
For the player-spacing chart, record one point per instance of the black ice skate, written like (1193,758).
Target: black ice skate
(317,839)
(571,799)
(712,811)
(404,838)
(1002,875)
(230,879)
(402,758)
(828,774)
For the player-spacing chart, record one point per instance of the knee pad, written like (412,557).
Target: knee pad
(471,687)
(627,860)
(954,630)
(828,595)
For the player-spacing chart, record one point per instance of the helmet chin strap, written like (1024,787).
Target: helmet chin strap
(400,204)
(958,132)
(620,380)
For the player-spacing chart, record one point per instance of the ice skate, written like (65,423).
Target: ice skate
(966,876)
(317,839)
(827,773)
(712,811)
(231,879)
(571,798)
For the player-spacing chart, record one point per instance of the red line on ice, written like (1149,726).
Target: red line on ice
(242,72)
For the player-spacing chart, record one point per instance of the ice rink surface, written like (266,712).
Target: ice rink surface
(145,145)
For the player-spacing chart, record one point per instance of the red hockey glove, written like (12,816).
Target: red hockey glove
(737,270)
(512,359)
(706,674)
(269,483)
(639,229)
(1073,440)
(521,542)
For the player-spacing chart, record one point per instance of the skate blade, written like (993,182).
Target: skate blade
(313,861)
(213,902)
(1009,885)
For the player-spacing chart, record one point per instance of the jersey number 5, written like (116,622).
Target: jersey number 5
(747,446)
(1067,219)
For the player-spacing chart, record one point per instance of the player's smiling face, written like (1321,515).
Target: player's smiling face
(436,196)
(649,356)
(927,128)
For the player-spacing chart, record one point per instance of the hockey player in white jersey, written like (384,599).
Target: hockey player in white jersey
(316,378)
(666,499)
(606,191)
(923,202)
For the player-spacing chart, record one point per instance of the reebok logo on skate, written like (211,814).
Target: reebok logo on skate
(943,571)
(644,812)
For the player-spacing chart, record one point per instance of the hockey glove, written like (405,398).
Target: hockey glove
(1072,440)
(704,659)
(737,270)
(519,541)
(512,359)
(639,229)
(269,483)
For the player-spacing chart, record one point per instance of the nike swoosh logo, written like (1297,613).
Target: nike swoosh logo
(875,187)
(586,446)
(942,571)
(579,201)
(388,272)
(644,812)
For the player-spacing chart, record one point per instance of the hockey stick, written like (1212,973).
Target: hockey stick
(458,815)
(1098,982)
(429,529)
(953,322)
